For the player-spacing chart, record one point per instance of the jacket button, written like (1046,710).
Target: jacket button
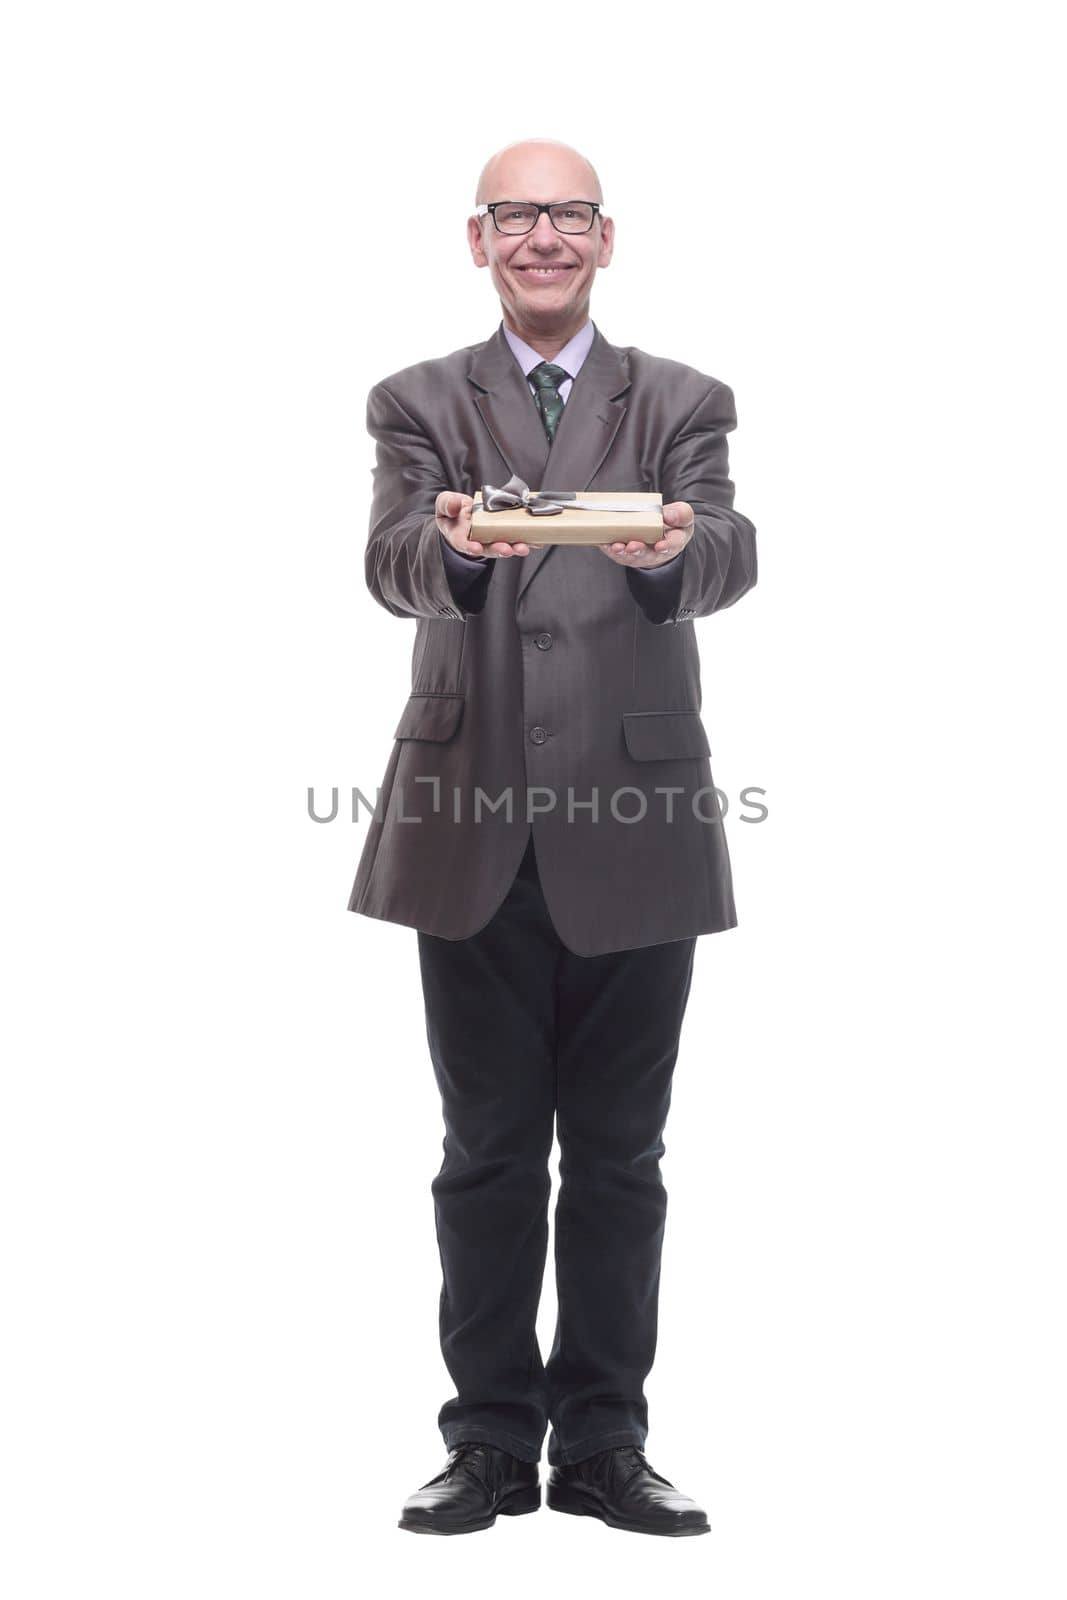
(543,641)
(538,735)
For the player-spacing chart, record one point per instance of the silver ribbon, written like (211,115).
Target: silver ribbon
(544,503)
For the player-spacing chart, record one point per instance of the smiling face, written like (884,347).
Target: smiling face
(544,278)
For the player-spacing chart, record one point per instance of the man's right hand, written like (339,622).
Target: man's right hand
(453,513)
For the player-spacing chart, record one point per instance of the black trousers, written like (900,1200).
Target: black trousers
(526,1036)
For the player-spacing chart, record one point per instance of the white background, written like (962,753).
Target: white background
(223,223)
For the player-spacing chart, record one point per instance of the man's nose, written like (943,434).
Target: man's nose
(544,235)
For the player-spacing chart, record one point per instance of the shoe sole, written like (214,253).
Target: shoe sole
(516,1504)
(562,1497)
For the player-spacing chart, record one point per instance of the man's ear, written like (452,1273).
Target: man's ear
(607,241)
(474,239)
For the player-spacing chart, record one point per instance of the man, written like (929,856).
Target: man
(548,822)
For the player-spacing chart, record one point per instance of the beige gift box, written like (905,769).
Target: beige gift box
(570,526)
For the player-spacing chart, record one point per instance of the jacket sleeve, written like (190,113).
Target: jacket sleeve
(405,565)
(720,559)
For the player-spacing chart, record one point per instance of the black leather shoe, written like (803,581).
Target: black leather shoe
(478,1483)
(620,1488)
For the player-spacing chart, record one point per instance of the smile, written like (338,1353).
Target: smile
(546,272)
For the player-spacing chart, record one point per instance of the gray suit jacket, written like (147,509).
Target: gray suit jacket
(558,690)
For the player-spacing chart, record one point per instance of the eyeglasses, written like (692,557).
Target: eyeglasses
(522,216)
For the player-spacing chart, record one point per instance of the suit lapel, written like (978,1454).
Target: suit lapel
(589,423)
(508,410)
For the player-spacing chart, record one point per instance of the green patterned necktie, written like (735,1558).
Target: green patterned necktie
(547,378)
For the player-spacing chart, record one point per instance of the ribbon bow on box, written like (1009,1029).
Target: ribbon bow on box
(544,503)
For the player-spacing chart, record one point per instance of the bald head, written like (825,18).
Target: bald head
(544,276)
(538,169)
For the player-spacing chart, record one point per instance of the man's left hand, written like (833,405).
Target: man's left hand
(677,532)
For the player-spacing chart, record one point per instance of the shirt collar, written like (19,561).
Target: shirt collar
(570,358)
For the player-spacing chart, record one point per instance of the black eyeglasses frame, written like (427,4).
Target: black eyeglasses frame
(513,233)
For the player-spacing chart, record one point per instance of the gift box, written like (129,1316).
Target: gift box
(547,516)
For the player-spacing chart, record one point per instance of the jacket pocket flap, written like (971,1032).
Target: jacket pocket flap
(430,716)
(664,735)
